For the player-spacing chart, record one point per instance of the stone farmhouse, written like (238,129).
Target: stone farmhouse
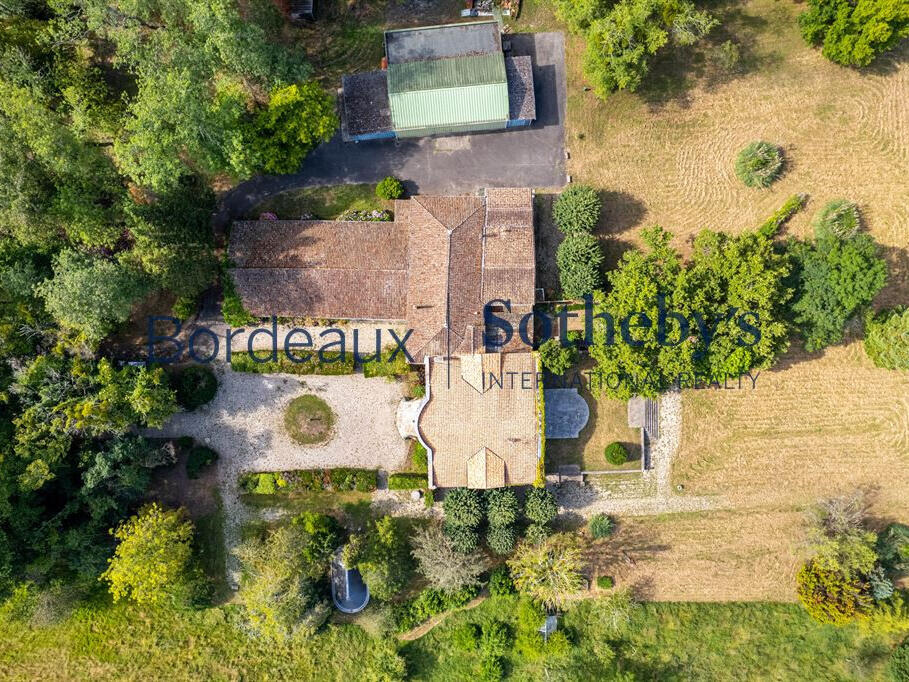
(433,269)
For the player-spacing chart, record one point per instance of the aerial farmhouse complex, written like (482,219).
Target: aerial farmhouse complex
(433,269)
(440,80)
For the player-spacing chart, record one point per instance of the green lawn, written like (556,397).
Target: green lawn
(664,641)
(325,203)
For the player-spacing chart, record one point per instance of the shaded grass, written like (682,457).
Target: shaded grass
(103,642)
(325,203)
(211,550)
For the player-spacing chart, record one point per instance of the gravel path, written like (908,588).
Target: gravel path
(654,494)
(244,424)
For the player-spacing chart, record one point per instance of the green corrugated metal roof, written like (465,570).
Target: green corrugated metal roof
(446,73)
(449,106)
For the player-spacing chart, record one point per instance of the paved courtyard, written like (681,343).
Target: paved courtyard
(533,157)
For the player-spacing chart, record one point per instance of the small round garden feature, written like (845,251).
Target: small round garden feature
(308,420)
(195,386)
(759,164)
(616,454)
(839,218)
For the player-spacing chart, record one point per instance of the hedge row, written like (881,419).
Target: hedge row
(330,363)
(342,478)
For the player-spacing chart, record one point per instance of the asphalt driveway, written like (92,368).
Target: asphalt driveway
(530,157)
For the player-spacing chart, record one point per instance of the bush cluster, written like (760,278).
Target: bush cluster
(601,526)
(430,602)
(500,582)
(199,458)
(616,454)
(390,188)
(604,582)
(386,366)
(333,364)
(339,479)
(194,386)
(839,218)
(376,215)
(577,209)
(887,338)
(759,164)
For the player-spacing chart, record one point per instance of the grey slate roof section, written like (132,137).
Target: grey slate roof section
(522,104)
(366,108)
(442,42)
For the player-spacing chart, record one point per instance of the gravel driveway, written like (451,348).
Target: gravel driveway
(244,424)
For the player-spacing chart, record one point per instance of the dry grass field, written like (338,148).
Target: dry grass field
(818,424)
(813,427)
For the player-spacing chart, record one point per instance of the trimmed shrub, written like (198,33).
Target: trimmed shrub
(502,507)
(604,582)
(577,209)
(759,164)
(540,506)
(537,533)
(406,481)
(199,458)
(601,526)
(771,227)
(361,480)
(887,338)
(194,386)
(463,538)
(500,582)
(463,508)
(557,358)
(898,665)
(501,539)
(580,261)
(616,454)
(390,188)
(839,218)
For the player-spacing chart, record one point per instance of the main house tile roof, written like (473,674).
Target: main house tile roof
(482,437)
(434,267)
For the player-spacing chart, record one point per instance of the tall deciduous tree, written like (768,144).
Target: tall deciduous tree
(621,43)
(91,294)
(441,564)
(277,592)
(720,314)
(549,572)
(833,280)
(297,118)
(151,563)
(855,32)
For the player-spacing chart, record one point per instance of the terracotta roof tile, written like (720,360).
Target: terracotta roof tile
(459,421)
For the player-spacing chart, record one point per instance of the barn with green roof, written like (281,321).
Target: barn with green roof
(440,80)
